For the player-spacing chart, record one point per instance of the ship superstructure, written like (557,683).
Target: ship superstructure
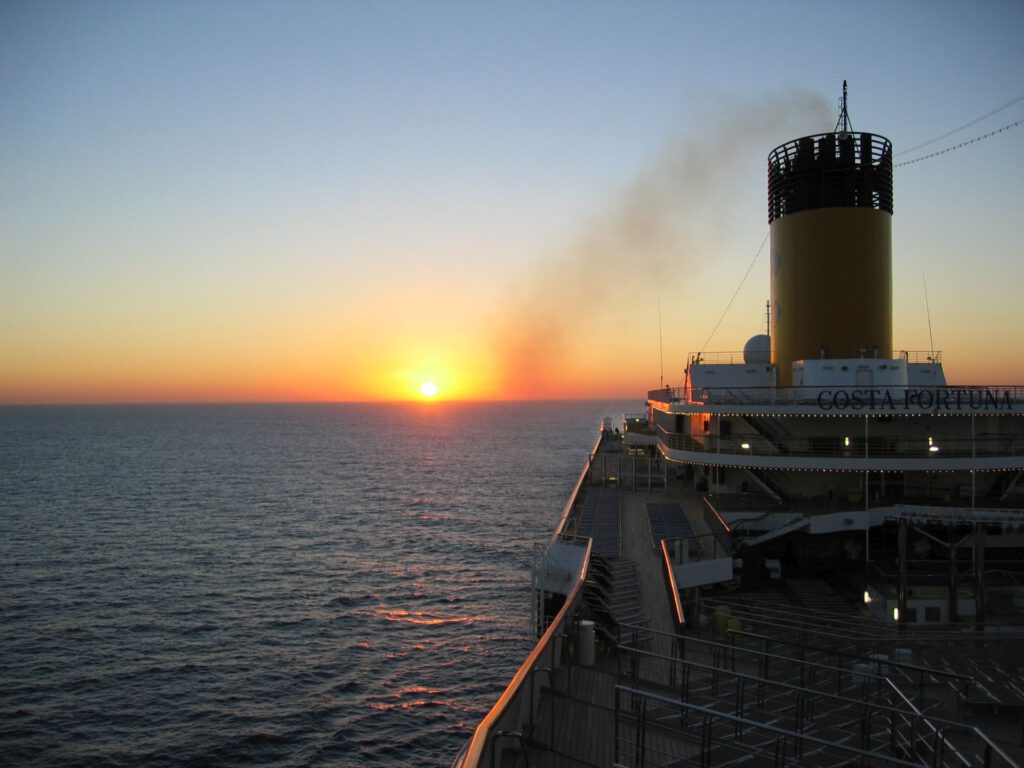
(811,553)
(818,424)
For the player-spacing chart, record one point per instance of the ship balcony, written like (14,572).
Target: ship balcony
(829,452)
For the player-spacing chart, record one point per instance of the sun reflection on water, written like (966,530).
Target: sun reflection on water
(425,618)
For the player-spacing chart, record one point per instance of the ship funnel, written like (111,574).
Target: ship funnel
(830,213)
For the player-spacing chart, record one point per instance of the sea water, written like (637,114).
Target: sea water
(329,584)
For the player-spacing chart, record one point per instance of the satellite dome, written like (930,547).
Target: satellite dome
(758,350)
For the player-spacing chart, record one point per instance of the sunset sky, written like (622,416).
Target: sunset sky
(249,201)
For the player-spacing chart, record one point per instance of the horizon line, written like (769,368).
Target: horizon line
(407,401)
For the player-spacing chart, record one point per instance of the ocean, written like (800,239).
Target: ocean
(293,585)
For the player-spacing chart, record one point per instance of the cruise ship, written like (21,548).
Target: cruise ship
(810,554)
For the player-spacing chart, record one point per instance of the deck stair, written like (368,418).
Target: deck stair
(667,521)
(600,520)
(770,429)
(795,523)
(614,598)
(819,597)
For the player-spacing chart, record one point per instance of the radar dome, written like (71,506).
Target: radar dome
(758,350)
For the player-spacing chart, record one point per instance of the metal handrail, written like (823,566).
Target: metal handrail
(735,358)
(712,714)
(480,743)
(717,525)
(966,727)
(833,446)
(677,605)
(990,747)
(970,398)
(730,648)
(938,726)
(928,722)
(902,666)
(853,629)
(567,510)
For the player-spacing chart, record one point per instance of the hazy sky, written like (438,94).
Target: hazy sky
(334,200)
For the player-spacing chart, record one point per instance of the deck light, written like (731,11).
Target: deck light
(745,446)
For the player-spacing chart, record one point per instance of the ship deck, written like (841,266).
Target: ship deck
(793,674)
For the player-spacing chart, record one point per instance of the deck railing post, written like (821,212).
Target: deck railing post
(738,730)
(705,741)
(618,714)
(682,696)
(641,728)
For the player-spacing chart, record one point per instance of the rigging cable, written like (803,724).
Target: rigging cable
(960,145)
(738,287)
(962,127)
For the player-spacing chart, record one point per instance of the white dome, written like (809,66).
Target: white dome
(758,350)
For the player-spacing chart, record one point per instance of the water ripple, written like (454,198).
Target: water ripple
(282,585)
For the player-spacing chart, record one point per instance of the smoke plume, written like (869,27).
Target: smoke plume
(662,225)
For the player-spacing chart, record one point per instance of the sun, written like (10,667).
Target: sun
(428,389)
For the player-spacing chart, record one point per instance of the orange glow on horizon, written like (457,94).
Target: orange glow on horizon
(378,358)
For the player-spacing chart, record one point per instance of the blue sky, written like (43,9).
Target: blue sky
(182,182)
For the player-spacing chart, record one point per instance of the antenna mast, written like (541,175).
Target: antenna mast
(843,123)
(928,311)
(661,350)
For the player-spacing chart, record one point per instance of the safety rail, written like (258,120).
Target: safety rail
(782,746)
(854,400)
(726,653)
(987,655)
(639,416)
(926,736)
(743,692)
(855,447)
(574,497)
(912,674)
(737,358)
(992,754)
(829,628)
(717,525)
(632,471)
(673,589)
(695,549)
(506,718)
(514,712)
